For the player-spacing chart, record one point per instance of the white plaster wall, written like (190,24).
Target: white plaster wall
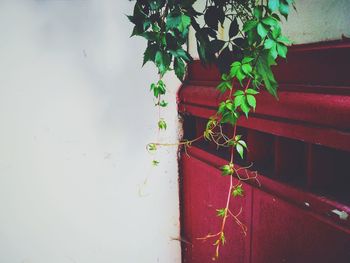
(75,115)
(314,21)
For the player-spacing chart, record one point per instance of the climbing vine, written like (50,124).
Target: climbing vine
(244,58)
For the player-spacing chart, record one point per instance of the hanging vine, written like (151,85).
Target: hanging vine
(255,40)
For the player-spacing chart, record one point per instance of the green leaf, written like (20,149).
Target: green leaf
(207,134)
(163,103)
(162,124)
(247,60)
(257,12)
(234,68)
(245,107)
(273,5)
(276,32)
(238,92)
(155,163)
(264,71)
(179,67)
(282,50)
(284,9)
(247,68)
(251,101)
(249,25)
(224,86)
(227,169)
(273,52)
(222,238)
(241,142)
(237,191)
(183,54)
(229,117)
(240,150)
(284,40)
(240,75)
(221,212)
(150,53)
(238,101)
(252,91)
(178,21)
(162,60)
(269,43)
(262,31)
(152,147)
(270,21)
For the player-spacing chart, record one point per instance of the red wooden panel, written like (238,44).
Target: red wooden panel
(285,233)
(205,191)
(288,224)
(322,64)
(292,106)
(301,143)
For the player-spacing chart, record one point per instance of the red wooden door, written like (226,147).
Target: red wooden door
(302,152)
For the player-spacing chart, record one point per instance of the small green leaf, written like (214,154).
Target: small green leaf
(252,91)
(262,31)
(240,150)
(238,137)
(284,40)
(274,5)
(207,134)
(149,54)
(227,169)
(162,124)
(249,25)
(270,21)
(152,147)
(240,75)
(238,100)
(247,60)
(234,68)
(224,86)
(221,212)
(245,107)
(222,238)
(155,163)
(269,43)
(179,21)
(238,92)
(273,52)
(241,142)
(282,50)
(284,9)
(237,191)
(251,101)
(258,12)
(162,60)
(179,67)
(247,68)
(163,103)
(183,54)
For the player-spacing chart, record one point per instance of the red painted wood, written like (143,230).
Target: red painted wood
(285,233)
(283,228)
(205,192)
(303,107)
(301,150)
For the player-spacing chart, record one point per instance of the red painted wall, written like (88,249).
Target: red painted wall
(301,148)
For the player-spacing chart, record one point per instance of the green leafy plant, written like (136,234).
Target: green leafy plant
(255,41)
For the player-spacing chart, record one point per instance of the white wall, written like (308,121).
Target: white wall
(75,116)
(314,21)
